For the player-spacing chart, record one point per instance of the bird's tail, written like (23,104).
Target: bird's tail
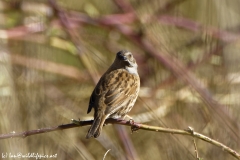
(96,127)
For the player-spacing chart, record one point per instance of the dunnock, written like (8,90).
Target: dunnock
(115,93)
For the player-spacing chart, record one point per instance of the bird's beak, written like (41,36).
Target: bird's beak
(122,57)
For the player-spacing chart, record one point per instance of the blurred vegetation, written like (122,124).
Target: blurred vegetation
(52,56)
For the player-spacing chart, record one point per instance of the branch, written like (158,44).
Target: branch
(75,38)
(134,126)
(171,79)
(197,27)
(48,66)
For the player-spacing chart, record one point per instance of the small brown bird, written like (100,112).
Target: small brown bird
(115,93)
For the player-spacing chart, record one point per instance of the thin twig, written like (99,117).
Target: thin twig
(195,149)
(106,154)
(134,125)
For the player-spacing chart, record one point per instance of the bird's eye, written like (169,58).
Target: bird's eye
(119,55)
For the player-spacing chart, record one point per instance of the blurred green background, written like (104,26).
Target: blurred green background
(51,57)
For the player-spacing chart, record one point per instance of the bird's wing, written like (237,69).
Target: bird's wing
(96,94)
(91,102)
(115,89)
(121,89)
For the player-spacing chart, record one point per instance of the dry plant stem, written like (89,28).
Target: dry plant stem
(76,40)
(106,154)
(126,141)
(195,149)
(123,122)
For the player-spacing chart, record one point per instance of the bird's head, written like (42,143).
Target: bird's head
(125,59)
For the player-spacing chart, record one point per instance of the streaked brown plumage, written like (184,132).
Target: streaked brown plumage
(116,92)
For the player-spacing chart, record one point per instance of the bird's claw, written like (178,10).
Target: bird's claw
(75,121)
(134,127)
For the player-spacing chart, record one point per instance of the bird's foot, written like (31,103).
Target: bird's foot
(134,126)
(77,122)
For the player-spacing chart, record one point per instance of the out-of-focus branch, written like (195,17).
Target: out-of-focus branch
(169,6)
(172,79)
(134,126)
(124,5)
(197,27)
(21,31)
(179,70)
(110,21)
(65,23)
(127,143)
(48,66)
(75,39)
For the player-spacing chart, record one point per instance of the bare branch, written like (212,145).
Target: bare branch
(134,126)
